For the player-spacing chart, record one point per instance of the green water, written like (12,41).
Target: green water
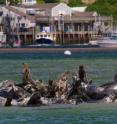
(82,114)
(100,68)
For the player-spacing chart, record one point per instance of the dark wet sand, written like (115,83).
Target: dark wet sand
(30,50)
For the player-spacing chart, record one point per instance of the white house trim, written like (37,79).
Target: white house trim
(61,11)
(79,9)
(28,2)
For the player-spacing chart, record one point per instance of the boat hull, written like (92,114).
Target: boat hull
(108,45)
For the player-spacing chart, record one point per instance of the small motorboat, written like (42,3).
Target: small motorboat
(109,41)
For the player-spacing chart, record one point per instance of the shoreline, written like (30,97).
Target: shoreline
(85,105)
(34,50)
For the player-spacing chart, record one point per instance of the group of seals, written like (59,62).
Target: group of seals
(66,89)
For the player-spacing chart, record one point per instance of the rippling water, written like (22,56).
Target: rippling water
(82,114)
(100,66)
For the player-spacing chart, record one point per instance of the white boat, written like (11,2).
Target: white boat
(109,41)
(93,42)
(45,35)
(44,39)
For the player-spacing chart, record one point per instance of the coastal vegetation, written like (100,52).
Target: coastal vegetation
(2,1)
(75,3)
(10,1)
(103,7)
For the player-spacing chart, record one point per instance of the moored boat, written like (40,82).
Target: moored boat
(109,41)
(45,35)
(93,42)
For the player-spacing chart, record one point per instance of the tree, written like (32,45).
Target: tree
(105,7)
(2,1)
(75,3)
(40,1)
(13,1)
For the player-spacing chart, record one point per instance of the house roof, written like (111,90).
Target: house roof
(41,6)
(31,18)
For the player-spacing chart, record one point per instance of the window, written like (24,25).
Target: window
(41,35)
(30,0)
(23,25)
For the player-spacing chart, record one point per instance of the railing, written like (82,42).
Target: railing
(73,19)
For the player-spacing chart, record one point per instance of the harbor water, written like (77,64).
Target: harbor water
(100,67)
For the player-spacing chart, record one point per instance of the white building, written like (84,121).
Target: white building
(28,2)
(79,9)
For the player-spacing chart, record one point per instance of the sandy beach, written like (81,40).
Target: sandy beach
(30,50)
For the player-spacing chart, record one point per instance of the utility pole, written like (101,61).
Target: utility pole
(6,2)
(62,27)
